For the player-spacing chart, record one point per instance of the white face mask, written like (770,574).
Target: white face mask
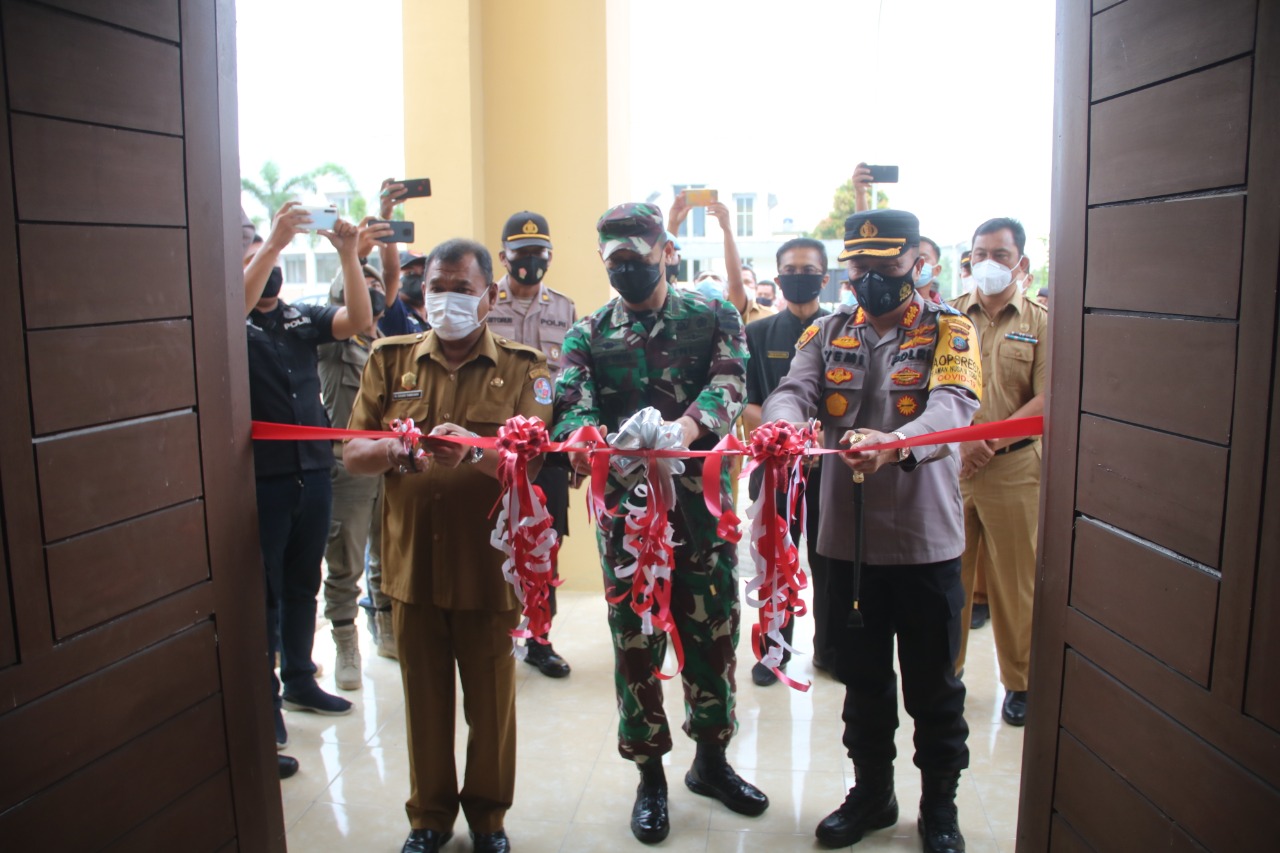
(453,316)
(991,277)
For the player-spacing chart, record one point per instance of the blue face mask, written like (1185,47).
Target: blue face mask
(926,275)
(848,298)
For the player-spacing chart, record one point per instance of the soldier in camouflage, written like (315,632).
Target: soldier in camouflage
(684,355)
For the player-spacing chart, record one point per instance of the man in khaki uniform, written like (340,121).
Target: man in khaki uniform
(451,608)
(1000,480)
(530,313)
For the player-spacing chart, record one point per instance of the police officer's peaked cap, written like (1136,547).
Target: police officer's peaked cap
(880,234)
(526,229)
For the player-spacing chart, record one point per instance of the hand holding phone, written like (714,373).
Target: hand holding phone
(416,187)
(322,218)
(700,198)
(883,174)
(401,232)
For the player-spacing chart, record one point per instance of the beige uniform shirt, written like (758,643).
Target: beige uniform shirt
(922,377)
(756,311)
(436,525)
(542,327)
(1015,354)
(340,365)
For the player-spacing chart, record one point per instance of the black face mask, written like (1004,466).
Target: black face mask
(635,281)
(800,287)
(529,271)
(878,294)
(766,301)
(411,287)
(377,301)
(274,282)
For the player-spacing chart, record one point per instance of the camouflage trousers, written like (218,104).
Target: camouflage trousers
(704,605)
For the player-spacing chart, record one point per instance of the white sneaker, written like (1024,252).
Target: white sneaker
(386,635)
(347,667)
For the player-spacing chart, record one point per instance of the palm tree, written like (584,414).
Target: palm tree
(272,193)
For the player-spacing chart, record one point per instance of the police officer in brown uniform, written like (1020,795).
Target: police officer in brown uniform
(530,313)
(451,608)
(1000,480)
(897,366)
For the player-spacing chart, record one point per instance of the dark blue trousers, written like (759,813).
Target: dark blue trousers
(293,526)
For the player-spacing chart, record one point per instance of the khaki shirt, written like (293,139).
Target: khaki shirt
(436,525)
(543,327)
(341,364)
(921,377)
(755,311)
(1015,354)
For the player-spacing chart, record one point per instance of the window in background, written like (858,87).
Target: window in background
(295,269)
(745,210)
(326,268)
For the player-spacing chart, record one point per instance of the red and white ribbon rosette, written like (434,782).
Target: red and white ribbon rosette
(524,531)
(648,535)
(409,435)
(779,449)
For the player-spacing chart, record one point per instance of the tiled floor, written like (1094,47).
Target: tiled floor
(573,791)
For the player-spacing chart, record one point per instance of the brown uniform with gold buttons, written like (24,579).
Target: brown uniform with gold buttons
(1002,500)
(451,606)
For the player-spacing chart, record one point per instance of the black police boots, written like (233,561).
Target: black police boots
(871,804)
(939,823)
(649,821)
(711,776)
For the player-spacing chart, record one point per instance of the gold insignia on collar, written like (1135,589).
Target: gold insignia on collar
(409,380)
(868,229)
(497,382)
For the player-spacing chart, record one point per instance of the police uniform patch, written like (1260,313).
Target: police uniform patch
(909,318)
(542,390)
(554,353)
(905,376)
(905,292)
(497,382)
(907,405)
(846,342)
(773,353)
(806,336)
(953,364)
(409,380)
(837,405)
(839,375)
(859,316)
(917,340)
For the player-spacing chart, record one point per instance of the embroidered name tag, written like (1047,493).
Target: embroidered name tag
(406,395)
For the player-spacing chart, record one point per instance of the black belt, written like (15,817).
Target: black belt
(1017,445)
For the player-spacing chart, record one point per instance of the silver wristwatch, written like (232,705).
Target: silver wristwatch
(476,454)
(904,453)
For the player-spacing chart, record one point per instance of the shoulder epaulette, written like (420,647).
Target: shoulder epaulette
(398,340)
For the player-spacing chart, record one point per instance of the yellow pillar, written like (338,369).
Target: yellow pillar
(515,106)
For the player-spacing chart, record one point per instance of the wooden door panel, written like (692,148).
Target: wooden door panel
(68,172)
(94,478)
(1064,839)
(135,80)
(1163,373)
(8,642)
(1158,603)
(110,572)
(1149,257)
(127,699)
(115,794)
(1189,134)
(157,17)
(136,274)
(1175,770)
(1144,41)
(1135,479)
(198,822)
(95,375)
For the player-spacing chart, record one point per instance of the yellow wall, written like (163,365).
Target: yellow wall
(515,106)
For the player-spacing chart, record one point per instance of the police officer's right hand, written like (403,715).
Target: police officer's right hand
(289,222)
(400,462)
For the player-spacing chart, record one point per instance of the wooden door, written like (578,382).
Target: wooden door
(134,709)
(1155,695)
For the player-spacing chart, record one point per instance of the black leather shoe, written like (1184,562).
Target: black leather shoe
(871,804)
(288,765)
(762,675)
(711,776)
(1014,710)
(981,613)
(650,822)
(546,660)
(491,842)
(939,822)
(426,841)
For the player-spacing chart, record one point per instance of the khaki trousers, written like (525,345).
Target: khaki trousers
(1001,510)
(431,643)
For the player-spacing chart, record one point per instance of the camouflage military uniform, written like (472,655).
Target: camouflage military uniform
(688,358)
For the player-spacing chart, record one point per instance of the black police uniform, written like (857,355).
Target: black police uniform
(772,344)
(293,479)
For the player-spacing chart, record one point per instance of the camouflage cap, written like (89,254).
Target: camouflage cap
(635,225)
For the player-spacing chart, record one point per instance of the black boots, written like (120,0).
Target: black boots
(871,804)
(649,821)
(939,824)
(711,776)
